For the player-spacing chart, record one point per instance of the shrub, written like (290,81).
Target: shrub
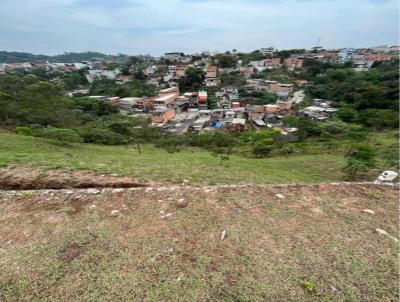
(359,159)
(287,149)
(24,131)
(309,286)
(352,167)
(334,127)
(263,147)
(63,136)
(101,136)
(202,140)
(170,144)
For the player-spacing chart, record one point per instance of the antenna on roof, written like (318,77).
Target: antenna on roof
(317,46)
(318,42)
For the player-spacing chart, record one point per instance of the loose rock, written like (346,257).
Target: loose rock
(181,203)
(115,212)
(119,190)
(223,235)
(387,176)
(369,211)
(166,215)
(93,191)
(384,233)
(280,196)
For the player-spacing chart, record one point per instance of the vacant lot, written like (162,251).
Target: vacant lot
(312,243)
(158,165)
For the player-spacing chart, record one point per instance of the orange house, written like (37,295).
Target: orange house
(272,108)
(235,105)
(165,101)
(293,63)
(203,97)
(163,115)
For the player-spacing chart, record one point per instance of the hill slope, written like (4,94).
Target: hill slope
(158,165)
(22,57)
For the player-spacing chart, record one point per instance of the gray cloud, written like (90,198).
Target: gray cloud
(142,26)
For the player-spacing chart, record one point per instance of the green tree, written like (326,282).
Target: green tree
(222,145)
(379,118)
(104,86)
(307,126)
(192,81)
(232,79)
(226,61)
(263,147)
(143,132)
(74,80)
(359,158)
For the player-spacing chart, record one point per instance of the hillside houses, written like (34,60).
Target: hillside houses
(165,101)
(268,51)
(175,56)
(223,98)
(293,63)
(320,110)
(266,64)
(282,90)
(136,104)
(162,115)
(211,77)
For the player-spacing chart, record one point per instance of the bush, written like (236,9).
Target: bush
(287,149)
(360,158)
(334,127)
(202,140)
(379,118)
(24,131)
(63,136)
(170,144)
(263,147)
(101,136)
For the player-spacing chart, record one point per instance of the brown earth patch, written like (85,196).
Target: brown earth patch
(70,253)
(271,245)
(20,178)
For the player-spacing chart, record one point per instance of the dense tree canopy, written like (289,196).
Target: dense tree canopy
(370,98)
(192,81)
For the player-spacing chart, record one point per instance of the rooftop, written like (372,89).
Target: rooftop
(164,98)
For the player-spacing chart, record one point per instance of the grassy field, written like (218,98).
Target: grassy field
(155,164)
(315,244)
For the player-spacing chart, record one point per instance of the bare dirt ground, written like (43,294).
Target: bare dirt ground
(17,178)
(210,243)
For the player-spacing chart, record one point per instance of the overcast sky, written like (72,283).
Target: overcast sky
(158,26)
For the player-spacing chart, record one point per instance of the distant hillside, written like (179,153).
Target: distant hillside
(20,57)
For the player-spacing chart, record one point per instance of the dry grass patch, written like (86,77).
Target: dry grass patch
(314,244)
